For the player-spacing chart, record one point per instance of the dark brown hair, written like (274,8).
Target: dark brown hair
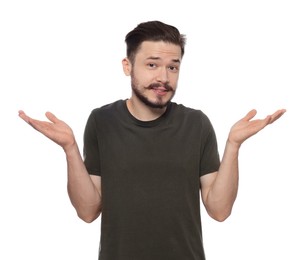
(152,31)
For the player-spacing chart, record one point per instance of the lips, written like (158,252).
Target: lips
(160,91)
(160,88)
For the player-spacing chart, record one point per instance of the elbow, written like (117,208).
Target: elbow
(220,216)
(219,211)
(88,218)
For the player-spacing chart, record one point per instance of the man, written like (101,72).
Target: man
(148,161)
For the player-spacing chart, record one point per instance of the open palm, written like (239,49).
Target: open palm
(246,127)
(56,130)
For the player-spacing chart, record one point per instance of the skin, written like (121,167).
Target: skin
(154,76)
(156,63)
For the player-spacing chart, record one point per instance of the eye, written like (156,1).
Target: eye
(151,65)
(173,68)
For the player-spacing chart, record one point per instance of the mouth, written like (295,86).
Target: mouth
(159,88)
(161,91)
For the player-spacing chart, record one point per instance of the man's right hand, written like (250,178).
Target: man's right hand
(56,130)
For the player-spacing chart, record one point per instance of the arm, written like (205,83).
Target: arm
(84,190)
(219,189)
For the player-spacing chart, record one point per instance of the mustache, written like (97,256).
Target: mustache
(166,86)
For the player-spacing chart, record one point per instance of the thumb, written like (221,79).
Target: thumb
(250,115)
(51,117)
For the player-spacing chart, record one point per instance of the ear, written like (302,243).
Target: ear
(126,66)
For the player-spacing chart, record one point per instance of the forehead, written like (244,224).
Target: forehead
(159,49)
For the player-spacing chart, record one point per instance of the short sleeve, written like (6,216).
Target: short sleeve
(91,153)
(210,159)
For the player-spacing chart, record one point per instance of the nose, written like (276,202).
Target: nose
(162,75)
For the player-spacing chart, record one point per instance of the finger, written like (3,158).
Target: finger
(51,117)
(250,115)
(32,122)
(21,113)
(36,124)
(277,115)
(23,116)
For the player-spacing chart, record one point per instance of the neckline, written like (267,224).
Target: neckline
(150,123)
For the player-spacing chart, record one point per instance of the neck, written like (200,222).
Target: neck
(143,112)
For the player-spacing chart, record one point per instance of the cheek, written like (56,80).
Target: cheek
(173,80)
(144,78)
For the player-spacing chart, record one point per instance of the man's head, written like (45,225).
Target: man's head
(153,31)
(154,54)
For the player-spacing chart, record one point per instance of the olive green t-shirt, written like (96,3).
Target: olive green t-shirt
(150,173)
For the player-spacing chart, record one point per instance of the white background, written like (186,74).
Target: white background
(65,57)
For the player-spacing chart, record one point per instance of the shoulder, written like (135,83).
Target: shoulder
(108,108)
(105,113)
(109,111)
(188,112)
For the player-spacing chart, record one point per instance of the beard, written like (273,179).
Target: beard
(159,102)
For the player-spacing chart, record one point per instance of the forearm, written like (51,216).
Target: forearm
(83,194)
(223,192)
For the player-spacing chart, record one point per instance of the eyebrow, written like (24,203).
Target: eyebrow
(158,58)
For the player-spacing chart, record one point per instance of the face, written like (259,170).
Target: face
(155,73)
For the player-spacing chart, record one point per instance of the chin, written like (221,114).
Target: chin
(159,105)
